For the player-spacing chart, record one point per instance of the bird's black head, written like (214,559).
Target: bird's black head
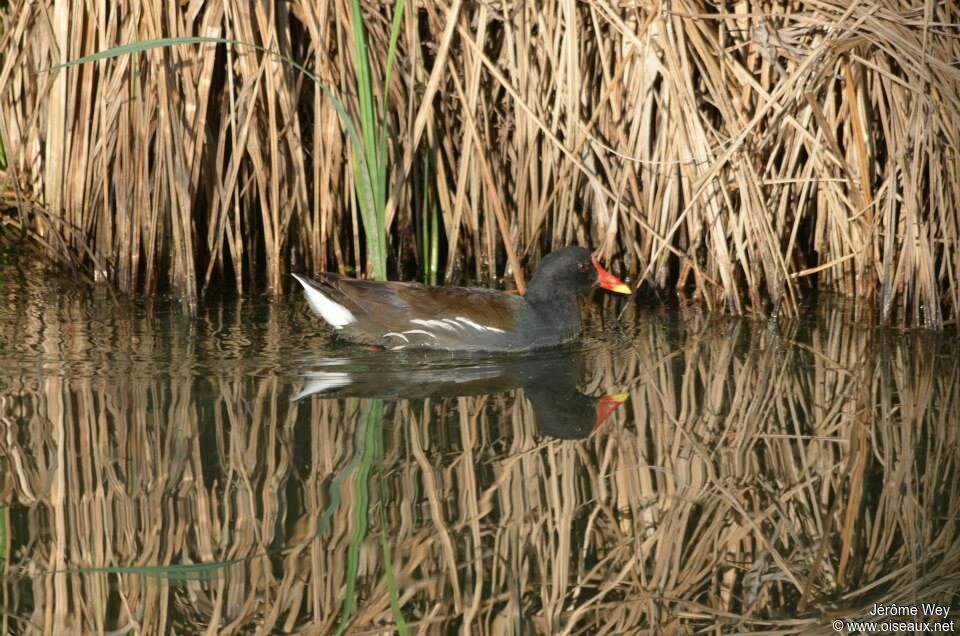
(570,271)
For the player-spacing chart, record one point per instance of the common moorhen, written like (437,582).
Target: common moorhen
(408,315)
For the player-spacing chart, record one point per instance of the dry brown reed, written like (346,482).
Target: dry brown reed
(740,152)
(755,480)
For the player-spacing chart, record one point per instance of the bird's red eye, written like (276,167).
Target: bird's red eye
(584,267)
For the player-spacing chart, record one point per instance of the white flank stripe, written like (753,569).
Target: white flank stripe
(477,326)
(454,323)
(432,323)
(426,333)
(396,335)
(334,313)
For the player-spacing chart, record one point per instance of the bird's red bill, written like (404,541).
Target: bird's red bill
(609,281)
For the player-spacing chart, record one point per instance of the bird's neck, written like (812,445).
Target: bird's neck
(563,309)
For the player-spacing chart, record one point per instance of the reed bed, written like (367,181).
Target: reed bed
(741,153)
(756,479)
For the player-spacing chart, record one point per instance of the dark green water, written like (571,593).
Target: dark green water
(238,471)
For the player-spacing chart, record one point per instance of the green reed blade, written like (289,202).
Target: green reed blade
(364,173)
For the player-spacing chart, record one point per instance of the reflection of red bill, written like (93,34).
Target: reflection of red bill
(607,405)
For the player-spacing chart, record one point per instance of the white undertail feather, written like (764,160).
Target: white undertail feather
(334,313)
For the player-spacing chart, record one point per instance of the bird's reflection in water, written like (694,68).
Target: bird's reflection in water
(548,380)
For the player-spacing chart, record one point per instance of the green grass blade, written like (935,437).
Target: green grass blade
(370,202)
(366,187)
(364,84)
(396,23)
(433,263)
(146,45)
(392,53)
(159,43)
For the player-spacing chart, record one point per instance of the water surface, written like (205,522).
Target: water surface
(238,471)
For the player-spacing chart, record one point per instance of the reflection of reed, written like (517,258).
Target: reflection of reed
(755,473)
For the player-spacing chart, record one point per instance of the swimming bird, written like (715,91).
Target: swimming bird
(396,315)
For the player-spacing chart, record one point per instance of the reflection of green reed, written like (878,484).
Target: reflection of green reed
(751,468)
(170,573)
(369,431)
(4,521)
(368,456)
